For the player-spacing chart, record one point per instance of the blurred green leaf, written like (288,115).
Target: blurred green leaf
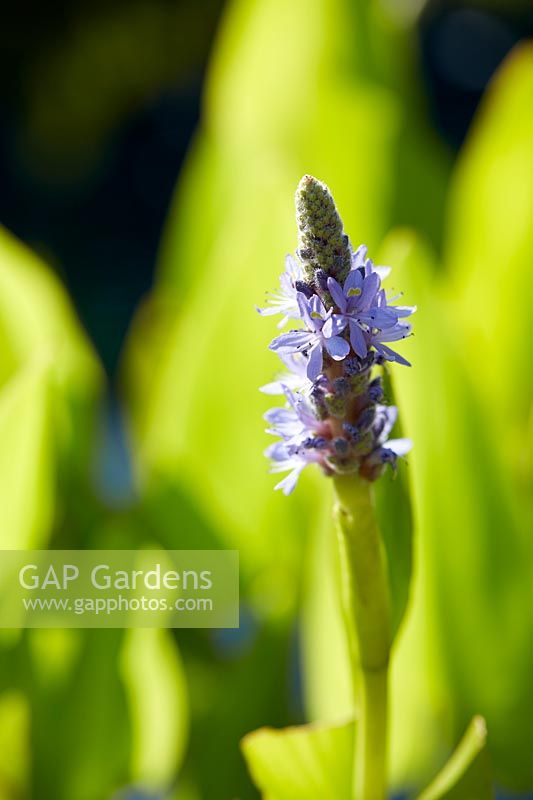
(327,680)
(300,763)
(27,458)
(14,745)
(490,235)
(49,381)
(80,712)
(36,317)
(471,544)
(157,698)
(466,775)
(484,550)
(489,246)
(393,509)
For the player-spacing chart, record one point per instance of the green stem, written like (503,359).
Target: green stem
(365,602)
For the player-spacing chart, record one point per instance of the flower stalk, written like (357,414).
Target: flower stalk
(365,606)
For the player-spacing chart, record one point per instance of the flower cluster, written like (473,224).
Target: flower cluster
(334,414)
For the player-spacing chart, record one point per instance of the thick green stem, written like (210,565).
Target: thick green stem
(365,601)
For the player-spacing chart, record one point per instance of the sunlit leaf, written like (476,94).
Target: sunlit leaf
(393,508)
(328,683)
(27,457)
(300,763)
(48,382)
(14,745)
(490,241)
(471,543)
(36,317)
(157,697)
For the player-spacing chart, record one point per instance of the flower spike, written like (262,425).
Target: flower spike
(335,415)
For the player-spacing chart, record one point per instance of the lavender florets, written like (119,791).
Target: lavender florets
(335,416)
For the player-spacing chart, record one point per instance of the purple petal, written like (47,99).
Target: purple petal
(358,258)
(317,306)
(295,362)
(337,294)
(395,332)
(353,282)
(290,396)
(337,348)
(334,325)
(391,355)
(357,340)
(317,313)
(370,289)
(267,312)
(404,311)
(305,309)
(292,267)
(383,317)
(277,451)
(279,416)
(314,365)
(291,341)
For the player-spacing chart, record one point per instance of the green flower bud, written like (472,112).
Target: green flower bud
(322,244)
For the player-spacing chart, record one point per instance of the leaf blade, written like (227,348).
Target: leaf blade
(302,762)
(465,776)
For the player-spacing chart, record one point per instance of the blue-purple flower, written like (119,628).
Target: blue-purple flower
(393,334)
(284,300)
(295,378)
(334,414)
(386,451)
(320,334)
(293,463)
(359,309)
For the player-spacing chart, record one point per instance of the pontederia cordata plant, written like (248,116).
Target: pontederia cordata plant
(336,417)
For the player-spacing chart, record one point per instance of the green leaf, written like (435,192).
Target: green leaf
(49,381)
(36,317)
(27,457)
(157,699)
(304,762)
(88,688)
(466,775)
(490,240)
(393,509)
(328,683)
(471,544)
(14,745)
